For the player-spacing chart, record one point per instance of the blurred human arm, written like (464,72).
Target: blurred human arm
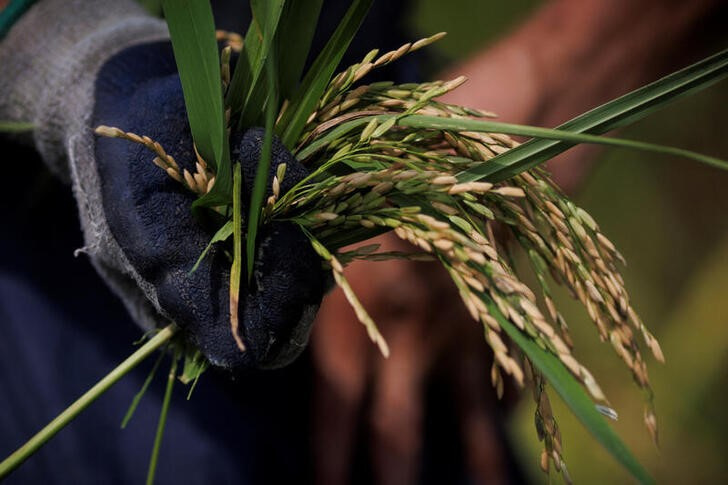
(569,56)
(573,55)
(428,330)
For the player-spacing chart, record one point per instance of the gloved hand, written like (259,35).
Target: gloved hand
(107,63)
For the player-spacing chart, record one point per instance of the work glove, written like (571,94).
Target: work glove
(69,66)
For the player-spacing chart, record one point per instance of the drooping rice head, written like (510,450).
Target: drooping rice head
(371,175)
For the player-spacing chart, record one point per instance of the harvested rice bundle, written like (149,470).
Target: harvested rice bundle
(379,162)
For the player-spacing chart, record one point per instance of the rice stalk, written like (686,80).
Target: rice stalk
(171,377)
(160,338)
(394,177)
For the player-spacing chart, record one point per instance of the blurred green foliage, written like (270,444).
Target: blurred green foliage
(668,217)
(469,23)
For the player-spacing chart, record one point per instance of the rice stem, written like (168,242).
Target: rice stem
(162,419)
(49,431)
(138,396)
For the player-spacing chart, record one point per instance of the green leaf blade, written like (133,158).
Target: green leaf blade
(221,235)
(491,166)
(268,15)
(317,78)
(556,135)
(242,74)
(298,25)
(138,396)
(192,29)
(614,114)
(261,175)
(162,423)
(574,396)
(236,268)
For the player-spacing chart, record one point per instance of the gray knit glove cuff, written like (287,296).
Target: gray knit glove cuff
(49,63)
(98,63)
(50,60)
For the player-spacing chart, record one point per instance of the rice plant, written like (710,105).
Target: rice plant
(391,157)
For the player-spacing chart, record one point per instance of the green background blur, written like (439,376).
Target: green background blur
(668,218)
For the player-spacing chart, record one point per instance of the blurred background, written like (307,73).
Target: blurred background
(668,218)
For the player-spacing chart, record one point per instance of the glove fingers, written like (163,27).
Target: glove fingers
(247,147)
(286,291)
(149,215)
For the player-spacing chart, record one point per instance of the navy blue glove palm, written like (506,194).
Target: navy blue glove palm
(149,215)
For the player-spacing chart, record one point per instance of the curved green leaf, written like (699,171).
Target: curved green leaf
(614,114)
(543,134)
(552,135)
(138,396)
(221,235)
(267,15)
(192,29)
(298,25)
(317,78)
(162,423)
(573,395)
(261,174)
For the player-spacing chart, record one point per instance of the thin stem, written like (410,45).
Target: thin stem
(49,431)
(261,174)
(236,268)
(142,391)
(162,420)
(15,126)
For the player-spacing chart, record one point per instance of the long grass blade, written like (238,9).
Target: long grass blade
(250,59)
(162,420)
(240,83)
(298,25)
(317,78)
(12,462)
(543,134)
(138,396)
(267,14)
(192,29)
(573,395)
(261,175)
(614,114)
(221,235)
(435,122)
